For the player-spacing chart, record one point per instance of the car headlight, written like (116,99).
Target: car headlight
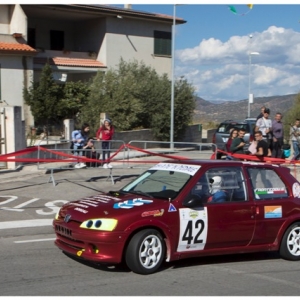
(100,224)
(57,216)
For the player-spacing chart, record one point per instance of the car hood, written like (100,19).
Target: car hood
(108,206)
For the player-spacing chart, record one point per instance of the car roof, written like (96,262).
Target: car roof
(212,162)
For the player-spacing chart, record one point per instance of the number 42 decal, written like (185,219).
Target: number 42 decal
(188,234)
(193,229)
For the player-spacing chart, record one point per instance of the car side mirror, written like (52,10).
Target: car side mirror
(193,201)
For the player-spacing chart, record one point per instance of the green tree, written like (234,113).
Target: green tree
(43,97)
(75,95)
(135,96)
(51,103)
(184,105)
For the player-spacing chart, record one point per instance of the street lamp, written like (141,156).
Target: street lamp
(172,80)
(250,99)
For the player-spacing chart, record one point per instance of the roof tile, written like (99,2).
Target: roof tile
(71,62)
(15,47)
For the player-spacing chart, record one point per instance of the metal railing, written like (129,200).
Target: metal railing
(155,150)
(68,161)
(135,154)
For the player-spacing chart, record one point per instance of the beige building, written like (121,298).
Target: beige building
(77,40)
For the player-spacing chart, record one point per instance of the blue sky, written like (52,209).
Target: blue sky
(212,48)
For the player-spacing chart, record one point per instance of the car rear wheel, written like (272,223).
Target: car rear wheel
(290,244)
(145,252)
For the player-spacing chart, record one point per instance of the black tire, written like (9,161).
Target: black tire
(290,244)
(145,252)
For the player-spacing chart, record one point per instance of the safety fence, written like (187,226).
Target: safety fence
(152,151)
(135,154)
(293,165)
(57,155)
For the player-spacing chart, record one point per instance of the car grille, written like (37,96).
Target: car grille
(63,231)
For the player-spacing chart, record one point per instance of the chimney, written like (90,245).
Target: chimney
(128,6)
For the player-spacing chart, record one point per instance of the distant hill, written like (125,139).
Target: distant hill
(209,111)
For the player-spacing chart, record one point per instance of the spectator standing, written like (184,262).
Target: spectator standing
(262,148)
(261,114)
(295,137)
(238,143)
(278,133)
(264,125)
(79,138)
(105,134)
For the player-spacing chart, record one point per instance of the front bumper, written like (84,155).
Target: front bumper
(93,245)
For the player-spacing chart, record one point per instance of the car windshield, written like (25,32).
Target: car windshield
(164,181)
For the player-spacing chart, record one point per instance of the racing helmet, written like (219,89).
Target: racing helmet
(216,183)
(217,180)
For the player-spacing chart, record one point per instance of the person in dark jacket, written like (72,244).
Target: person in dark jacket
(232,136)
(91,152)
(277,130)
(237,145)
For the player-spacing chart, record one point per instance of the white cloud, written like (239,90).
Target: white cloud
(220,70)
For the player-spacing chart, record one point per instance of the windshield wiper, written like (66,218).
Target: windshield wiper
(121,192)
(141,193)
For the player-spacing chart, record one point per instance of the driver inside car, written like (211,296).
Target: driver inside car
(217,194)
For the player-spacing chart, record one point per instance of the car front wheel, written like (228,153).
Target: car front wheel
(290,244)
(145,252)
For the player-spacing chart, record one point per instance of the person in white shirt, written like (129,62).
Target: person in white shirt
(264,125)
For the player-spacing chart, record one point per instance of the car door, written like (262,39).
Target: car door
(219,224)
(272,203)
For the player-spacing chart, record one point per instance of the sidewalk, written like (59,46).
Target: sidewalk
(20,173)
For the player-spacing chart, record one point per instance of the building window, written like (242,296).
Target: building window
(57,40)
(162,43)
(31,37)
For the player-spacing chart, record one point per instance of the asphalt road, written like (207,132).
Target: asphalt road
(31,265)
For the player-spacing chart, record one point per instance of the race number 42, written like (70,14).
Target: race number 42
(193,229)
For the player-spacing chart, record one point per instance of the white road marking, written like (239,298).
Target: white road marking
(31,241)
(12,209)
(26,223)
(26,203)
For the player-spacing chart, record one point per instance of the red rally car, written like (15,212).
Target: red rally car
(186,208)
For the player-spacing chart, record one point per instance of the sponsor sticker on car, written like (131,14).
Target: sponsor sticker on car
(188,169)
